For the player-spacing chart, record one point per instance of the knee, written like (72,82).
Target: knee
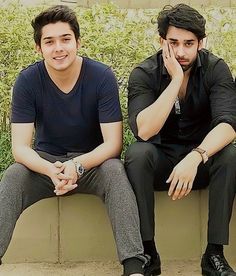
(15,176)
(140,153)
(226,158)
(112,168)
(112,172)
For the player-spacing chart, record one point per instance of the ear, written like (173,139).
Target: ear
(161,41)
(200,44)
(38,48)
(78,43)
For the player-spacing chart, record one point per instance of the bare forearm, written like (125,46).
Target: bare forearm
(30,158)
(101,153)
(158,112)
(219,137)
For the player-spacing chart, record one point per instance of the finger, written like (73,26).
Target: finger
(172,186)
(63,176)
(183,190)
(65,189)
(190,186)
(165,50)
(60,192)
(171,176)
(65,185)
(172,54)
(178,190)
(58,164)
(60,183)
(168,47)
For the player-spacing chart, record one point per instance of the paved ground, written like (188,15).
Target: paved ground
(169,268)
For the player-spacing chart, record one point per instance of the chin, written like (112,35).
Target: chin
(186,67)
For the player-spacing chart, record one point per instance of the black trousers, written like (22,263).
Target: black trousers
(148,167)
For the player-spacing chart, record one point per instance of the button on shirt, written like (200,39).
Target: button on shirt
(210,98)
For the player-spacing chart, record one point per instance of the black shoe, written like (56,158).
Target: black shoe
(131,267)
(216,265)
(154,268)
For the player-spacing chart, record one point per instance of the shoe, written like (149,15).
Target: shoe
(154,268)
(145,261)
(216,265)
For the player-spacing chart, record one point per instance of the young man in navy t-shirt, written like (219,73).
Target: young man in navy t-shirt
(72,104)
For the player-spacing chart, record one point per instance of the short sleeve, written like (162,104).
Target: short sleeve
(223,96)
(109,109)
(23,102)
(140,96)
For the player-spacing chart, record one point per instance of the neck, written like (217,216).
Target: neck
(187,72)
(66,79)
(65,75)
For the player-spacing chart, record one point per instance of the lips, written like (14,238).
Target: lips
(60,57)
(182,60)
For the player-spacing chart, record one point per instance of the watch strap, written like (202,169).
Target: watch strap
(203,154)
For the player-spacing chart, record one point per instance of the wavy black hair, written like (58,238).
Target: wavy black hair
(54,14)
(181,16)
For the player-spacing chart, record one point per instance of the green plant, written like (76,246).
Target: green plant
(119,38)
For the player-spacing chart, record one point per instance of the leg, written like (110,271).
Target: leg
(19,188)
(222,190)
(147,168)
(146,164)
(110,183)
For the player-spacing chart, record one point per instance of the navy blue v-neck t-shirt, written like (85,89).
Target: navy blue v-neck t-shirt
(66,122)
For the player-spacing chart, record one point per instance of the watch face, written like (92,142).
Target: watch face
(80,170)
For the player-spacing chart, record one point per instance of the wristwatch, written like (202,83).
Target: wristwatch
(203,154)
(79,167)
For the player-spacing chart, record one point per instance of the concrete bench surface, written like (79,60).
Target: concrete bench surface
(76,228)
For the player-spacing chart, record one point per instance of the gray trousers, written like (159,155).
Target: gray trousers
(21,187)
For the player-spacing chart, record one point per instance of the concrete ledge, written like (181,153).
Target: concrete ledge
(77,228)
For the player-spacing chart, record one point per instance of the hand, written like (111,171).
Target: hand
(172,65)
(69,185)
(182,177)
(55,172)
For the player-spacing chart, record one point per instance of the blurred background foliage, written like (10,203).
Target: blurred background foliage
(118,37)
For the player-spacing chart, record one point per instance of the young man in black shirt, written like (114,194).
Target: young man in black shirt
(182,110)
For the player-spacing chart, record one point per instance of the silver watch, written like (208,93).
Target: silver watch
(79,168)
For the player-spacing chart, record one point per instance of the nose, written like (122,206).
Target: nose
(180,51)
(58,46)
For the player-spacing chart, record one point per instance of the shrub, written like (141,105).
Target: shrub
(120,38)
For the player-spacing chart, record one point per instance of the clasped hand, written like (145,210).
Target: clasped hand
(64,177)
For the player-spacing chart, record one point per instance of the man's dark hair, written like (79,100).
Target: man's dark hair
(181,16)
(58,13)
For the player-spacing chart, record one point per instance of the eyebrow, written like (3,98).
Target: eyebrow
(186,40)
(50,37)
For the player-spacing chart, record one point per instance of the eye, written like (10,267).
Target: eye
(48,42)
(66,39)
(189,44)
(173,43)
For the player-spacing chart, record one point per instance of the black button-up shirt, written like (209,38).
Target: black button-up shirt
(210,98)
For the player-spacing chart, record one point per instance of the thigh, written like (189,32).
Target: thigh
(149,165)
(202,178)
(164,167)
(109,176)
(19,181)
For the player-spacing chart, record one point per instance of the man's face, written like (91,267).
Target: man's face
(185,46)
(58,46)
